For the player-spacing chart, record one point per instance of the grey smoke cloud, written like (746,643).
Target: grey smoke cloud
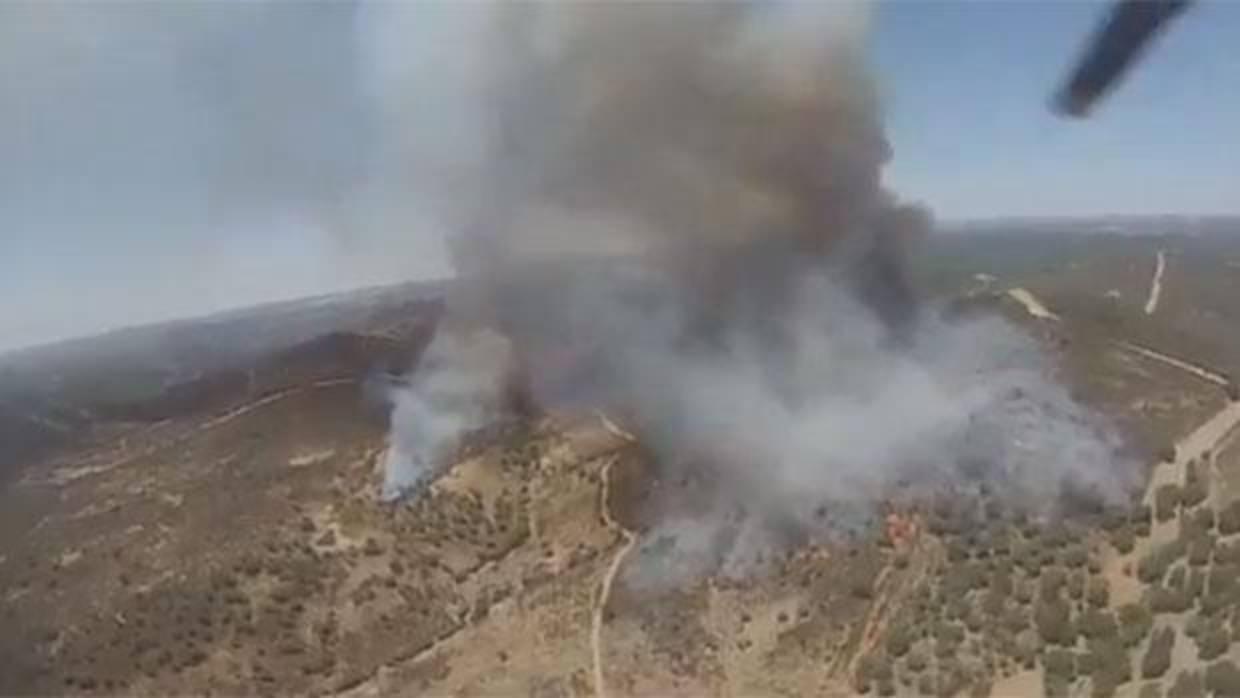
(458,386)
(675,211)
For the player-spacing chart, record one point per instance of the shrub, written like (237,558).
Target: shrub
(1095,624)
(1075,556)
(899,639)
(1229,519)
(1141,514)
(1099,593)
(1152,568)
(1110,660)
(1196,584)
(1053,619)
(1212,642)
(1051,583)
(1223,678)
(1059,662)
(1076,586)
(1176,580)
(1166,454)
(1123,540)
(1134,624)
(1157,658)
(1199,550)
(1204,519)
(1187,684)
(1166,501)
(1194,493)
(1150,690)
(1165,600)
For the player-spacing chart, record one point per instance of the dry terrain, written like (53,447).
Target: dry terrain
(218,531)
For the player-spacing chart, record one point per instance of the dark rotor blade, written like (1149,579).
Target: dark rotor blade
(1115,48)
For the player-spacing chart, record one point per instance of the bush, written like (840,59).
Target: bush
(1176,580)
(1060,663)
(1095,624)
(1223,678)
(1150,690)
(1134,624)
(1152,567)
(1055,686)
(1157,658)
(1123,539)
(1227,553)
(1054,622)
(1212,642)
(1187,684)
(1141,514)
(1204,519)
(1229,519)
(1199,550)
(1166,454)
(899,639)
(1111,662)
(1099,593)
(1196,583)
(1194,493)
(1086,663)
(1052,581)
(1166,501)
(1075,556)
(1165,600)
(1076,586)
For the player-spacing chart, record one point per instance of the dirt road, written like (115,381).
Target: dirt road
(1031,303)
(600,605)
(1202,373)
(1151,304)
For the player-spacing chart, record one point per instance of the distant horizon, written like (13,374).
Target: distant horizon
(940,225)
(165,162)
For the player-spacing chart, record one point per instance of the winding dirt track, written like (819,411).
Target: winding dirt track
(1151,304)
(600,605)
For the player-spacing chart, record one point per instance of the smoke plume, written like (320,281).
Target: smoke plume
(675,212)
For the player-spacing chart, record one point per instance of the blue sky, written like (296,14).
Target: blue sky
(170,159)
(967,87)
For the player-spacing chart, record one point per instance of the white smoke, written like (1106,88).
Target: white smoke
(675,211)
(458,387)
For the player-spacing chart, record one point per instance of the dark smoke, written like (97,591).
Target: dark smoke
(675,212)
